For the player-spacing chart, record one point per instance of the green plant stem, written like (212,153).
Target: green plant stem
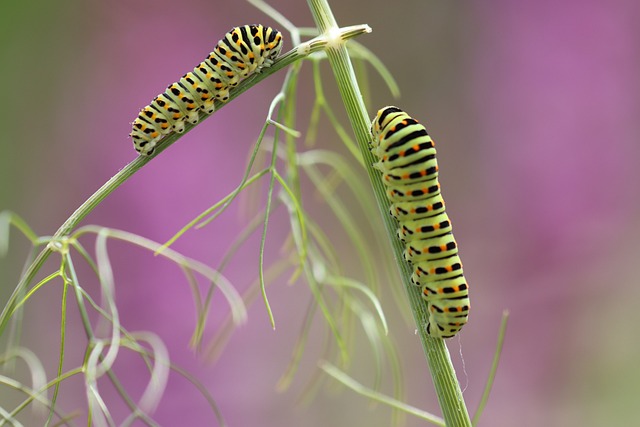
(103,192)
(372,394)
(442,372)
(64,230)
(494,367)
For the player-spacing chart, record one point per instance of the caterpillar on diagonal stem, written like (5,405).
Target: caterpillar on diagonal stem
(243,51)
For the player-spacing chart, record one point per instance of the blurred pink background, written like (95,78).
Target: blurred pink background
(534,106)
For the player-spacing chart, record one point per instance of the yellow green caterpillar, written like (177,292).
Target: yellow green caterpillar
(407,159)
(243,51)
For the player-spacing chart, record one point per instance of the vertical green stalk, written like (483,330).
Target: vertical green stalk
(446,384)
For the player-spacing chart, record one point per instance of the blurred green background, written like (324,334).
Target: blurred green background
(533,105)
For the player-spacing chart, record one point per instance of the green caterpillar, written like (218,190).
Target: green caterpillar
(243,51)
(407,159)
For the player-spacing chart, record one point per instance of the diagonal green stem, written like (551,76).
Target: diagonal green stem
(103,192)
